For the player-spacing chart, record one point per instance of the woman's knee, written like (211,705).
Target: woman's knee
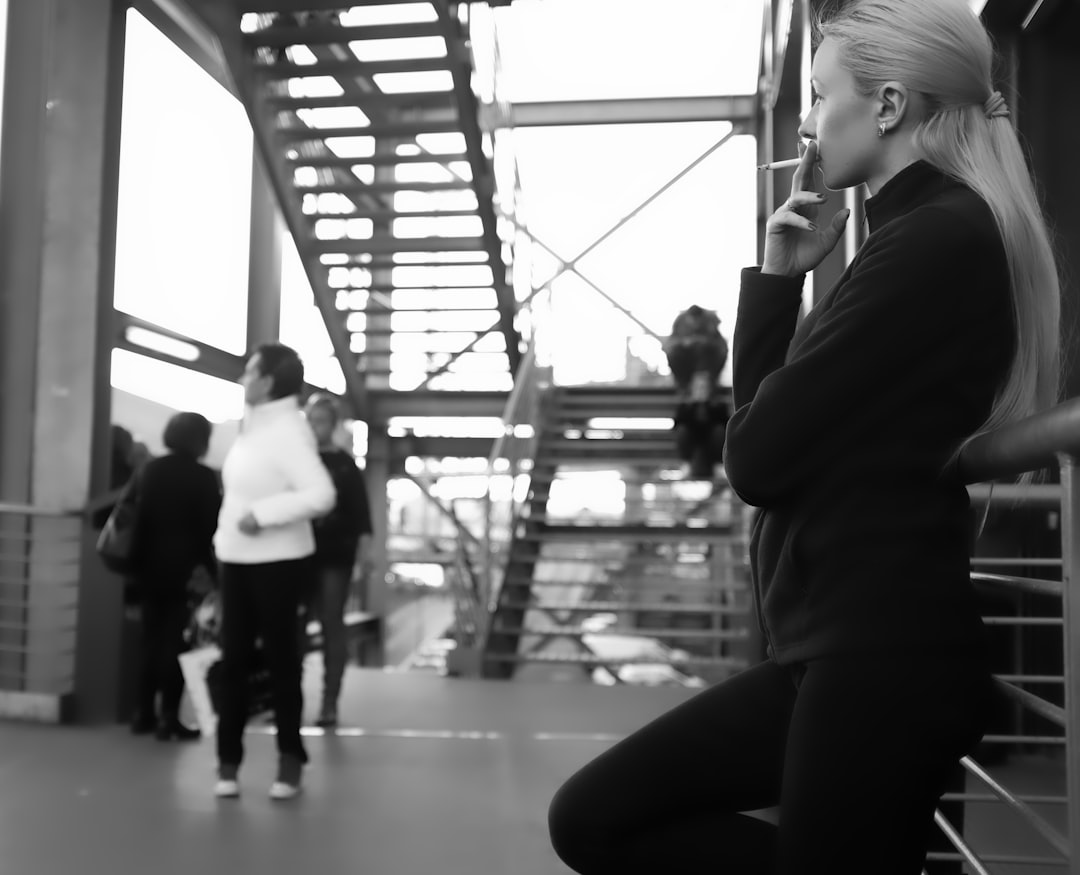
(573,827)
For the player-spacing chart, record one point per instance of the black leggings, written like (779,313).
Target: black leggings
(855,751)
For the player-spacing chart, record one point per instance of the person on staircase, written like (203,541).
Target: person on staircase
(697,352)
(342,545)
(274,486)
(175,518)
(848,431)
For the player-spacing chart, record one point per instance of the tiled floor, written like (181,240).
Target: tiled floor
(429,775)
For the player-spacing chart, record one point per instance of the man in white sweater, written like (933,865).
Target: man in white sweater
(274,485)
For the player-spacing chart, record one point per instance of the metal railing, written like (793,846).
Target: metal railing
(509,473)
(40,554)
(1046,439)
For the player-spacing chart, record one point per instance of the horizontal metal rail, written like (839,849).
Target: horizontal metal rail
(1024,584)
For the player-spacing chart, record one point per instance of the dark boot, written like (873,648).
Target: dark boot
(171,728)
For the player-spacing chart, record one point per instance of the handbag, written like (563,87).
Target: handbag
(116,543)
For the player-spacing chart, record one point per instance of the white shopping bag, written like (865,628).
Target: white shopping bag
(194,665)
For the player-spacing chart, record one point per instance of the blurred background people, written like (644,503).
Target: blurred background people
(176,515)
(342,544)
(274,485)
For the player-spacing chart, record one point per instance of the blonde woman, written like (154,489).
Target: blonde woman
(845,434)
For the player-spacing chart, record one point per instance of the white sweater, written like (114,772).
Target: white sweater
(273,471)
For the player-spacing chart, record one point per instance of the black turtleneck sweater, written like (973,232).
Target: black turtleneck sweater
(845,425)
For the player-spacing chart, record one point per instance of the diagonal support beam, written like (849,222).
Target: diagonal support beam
(483,177)
(570,265)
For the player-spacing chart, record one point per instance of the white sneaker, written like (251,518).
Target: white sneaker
(281,791)
(226,789)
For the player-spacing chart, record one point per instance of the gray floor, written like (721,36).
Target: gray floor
(428,775)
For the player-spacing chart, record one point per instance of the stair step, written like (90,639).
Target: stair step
(333,161)
(633,632)
(676,585)
(390,215)
(315,34)
(623,607)
(243,6)
(400,130)
(651,534)
(400,244)
(593,659)
(359,187)
(347,68)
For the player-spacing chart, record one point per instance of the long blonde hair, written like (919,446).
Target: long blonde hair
(940,49)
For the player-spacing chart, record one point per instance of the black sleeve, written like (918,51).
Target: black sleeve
(793,420)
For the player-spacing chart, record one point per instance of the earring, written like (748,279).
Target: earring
(881,129)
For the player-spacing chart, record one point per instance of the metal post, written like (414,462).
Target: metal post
(1070,611)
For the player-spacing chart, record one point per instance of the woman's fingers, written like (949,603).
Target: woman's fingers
(804,173)
(791,219)
(805,199)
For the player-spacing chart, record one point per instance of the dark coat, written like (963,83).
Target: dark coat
(844,427)
(337,535)
(177,514)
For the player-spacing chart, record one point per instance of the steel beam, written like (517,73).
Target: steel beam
(483,176)
(738,109)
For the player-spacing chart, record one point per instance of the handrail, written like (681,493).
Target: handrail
(37,510)
(1027,445)
(1037,442)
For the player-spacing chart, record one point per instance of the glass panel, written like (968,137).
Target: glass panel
(686,247)
(302,325)
(184,208)
(176,387)
(692,47)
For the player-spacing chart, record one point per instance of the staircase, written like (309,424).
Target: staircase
(647,587)
(367,125)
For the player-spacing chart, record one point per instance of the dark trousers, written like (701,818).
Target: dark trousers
(328,605)
(163,622)
(856,752)
(261,602)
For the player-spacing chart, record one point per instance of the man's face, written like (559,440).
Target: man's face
(256,385)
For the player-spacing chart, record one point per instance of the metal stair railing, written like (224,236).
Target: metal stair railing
(509,475)
(1049,438)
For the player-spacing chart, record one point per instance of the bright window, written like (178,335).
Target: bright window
(184,202)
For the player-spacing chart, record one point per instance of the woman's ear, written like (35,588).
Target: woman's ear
(894,101)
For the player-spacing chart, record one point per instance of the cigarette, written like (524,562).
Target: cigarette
(779,165)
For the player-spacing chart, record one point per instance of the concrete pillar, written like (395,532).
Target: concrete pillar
(264,271)
(59,167)
(377,476)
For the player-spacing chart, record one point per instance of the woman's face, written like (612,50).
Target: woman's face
(843,122)
(322,422)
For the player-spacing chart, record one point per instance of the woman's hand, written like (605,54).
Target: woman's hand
(793,243)
(249,525)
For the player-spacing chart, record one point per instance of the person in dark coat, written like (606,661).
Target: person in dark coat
(341,544)
(847,431)
(177,511)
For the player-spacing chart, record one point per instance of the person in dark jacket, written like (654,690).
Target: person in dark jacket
(846,434)
(341,544)
(177,510)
